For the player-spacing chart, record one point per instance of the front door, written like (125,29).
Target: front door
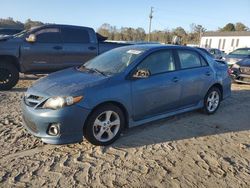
(160,92)
(45,54)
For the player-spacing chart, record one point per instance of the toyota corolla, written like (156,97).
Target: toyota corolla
(122,88)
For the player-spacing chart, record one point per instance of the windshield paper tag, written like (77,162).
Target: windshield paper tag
(136,52)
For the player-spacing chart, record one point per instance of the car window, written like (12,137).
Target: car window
(203,62)
(75,35)
(48,35)
(158,62)
(241,52)
(189,59)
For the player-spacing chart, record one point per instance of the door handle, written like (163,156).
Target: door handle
(175,79)
(58,47)
(91,48)
(208,73)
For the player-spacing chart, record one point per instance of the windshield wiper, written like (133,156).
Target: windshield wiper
(81,68)
(98,71)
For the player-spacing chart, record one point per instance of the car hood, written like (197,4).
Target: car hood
(6,37)
(66,82)
(231,59)
(244,62)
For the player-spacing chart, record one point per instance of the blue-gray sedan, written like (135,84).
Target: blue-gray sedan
(122,88)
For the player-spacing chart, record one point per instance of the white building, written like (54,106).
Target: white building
(226,41)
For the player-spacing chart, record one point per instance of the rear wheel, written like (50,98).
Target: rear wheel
(9,76)
(212,100)
(104,125)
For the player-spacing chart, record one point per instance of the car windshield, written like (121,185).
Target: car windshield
(241,52)
(112,62)
(24,32)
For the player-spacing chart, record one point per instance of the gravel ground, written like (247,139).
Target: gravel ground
(188,150)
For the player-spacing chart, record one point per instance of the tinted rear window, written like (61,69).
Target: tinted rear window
(75,35)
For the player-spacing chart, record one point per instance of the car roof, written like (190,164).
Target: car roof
(147,47)
(61,26)
(242,49)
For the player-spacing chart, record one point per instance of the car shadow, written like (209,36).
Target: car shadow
(232,116)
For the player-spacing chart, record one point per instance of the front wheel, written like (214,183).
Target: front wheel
(212,100)
(104,125)
(9,76)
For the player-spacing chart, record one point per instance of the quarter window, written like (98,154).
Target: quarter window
(158,62)
(189,59)
(48,35)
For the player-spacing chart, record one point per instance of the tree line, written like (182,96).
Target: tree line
(164,36)
(138,34)
(10,23)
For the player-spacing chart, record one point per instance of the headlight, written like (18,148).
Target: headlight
(235,66)
(59,102)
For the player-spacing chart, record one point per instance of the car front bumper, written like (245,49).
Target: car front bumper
(70,121)
(240,77)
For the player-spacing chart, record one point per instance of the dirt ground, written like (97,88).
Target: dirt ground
(188,150)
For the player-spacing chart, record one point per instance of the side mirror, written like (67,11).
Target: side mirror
(141,73)
(31,38)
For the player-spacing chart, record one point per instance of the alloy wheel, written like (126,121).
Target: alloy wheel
(106,126)
(213,100)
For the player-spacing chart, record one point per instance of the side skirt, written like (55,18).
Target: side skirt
(162,116)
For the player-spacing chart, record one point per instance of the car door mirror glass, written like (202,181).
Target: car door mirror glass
(141,73)
(31,38)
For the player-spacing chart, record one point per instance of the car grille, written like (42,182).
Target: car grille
(33,100)
(30,125)
(245,70)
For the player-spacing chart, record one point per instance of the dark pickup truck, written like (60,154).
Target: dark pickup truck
(47,49)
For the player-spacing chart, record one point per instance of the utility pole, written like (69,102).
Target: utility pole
(150,22)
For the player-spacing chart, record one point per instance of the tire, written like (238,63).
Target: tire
(9,76)
(212,100)
(104,125)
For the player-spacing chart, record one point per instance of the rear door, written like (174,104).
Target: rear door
(196,76)
(45,54)
(78,45)
(160,92)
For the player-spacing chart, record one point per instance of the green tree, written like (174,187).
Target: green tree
(241,27)
(228,27)
(29,24)
(10,23)
(196,31)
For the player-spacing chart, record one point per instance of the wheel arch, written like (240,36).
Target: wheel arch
(219,86)
(11,59)
(115,103)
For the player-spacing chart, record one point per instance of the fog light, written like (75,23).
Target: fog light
(54,129)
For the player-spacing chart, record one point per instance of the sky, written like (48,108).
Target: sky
(167,14)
